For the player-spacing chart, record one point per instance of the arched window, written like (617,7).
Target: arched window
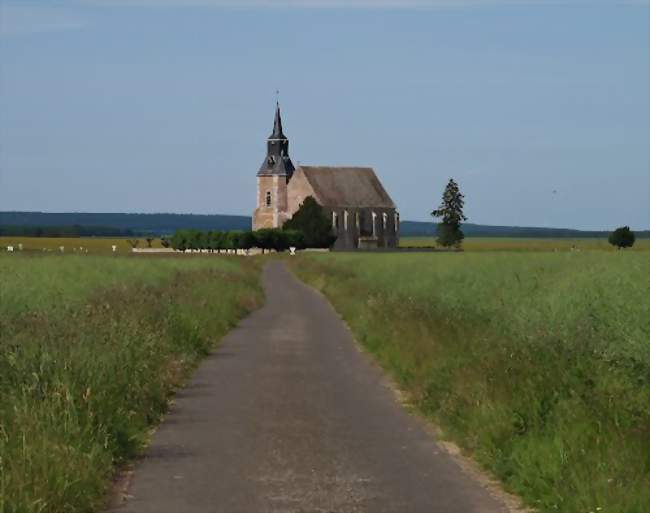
(345,220)
(335,221)
(385,220)
(357,220)
(268,198)
(374,224)
(396,221)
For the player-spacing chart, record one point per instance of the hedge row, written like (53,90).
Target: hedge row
(276,239)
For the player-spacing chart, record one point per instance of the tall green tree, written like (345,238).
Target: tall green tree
(310,219)
(451,213)
(265,238)
(179,240)
(622,237)
(246,240)
(234,240)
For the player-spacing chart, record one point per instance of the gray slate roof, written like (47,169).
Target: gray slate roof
(279,165)
(277,161)
(347,187)
(277,125)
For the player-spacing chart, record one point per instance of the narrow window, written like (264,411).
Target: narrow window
(396,221)
(334,221)
(374,229)
(268,198)
(384,217)
(357,221)
(345,220)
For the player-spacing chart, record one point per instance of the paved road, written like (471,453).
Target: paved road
(288,416)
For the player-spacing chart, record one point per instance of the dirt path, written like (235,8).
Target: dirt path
(288,416)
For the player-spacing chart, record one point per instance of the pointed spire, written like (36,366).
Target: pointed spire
(277,161)
(277,125)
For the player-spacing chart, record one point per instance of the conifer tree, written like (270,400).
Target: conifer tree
(451,212)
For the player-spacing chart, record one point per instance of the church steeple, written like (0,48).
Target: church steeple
(277,124)
(277,161)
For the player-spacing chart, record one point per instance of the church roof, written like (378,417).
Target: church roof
(353,187)
(276,165)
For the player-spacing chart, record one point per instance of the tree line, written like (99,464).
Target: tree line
(308,228)
(64,231)
(276,239)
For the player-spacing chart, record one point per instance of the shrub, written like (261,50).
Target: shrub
(246,240)
(267,238)
(216,240)
(622,237)
(232,240)
(295,238)
(179,240)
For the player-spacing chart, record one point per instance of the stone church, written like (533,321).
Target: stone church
(363,215)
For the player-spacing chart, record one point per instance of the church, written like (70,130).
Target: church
(362,213)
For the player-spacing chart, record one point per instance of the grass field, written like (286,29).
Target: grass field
(537,364)
(91,348)
(94,245)
(524,244)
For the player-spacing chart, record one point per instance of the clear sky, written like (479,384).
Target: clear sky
(540,110)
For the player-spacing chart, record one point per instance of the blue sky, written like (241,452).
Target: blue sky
(540,110)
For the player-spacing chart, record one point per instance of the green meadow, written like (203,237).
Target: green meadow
(91,348)
(536,364)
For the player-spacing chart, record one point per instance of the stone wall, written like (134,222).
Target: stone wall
(275,214)
(297,190)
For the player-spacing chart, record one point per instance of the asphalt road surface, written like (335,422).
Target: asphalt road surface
(289,416)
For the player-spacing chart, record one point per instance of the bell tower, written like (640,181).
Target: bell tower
(272,178)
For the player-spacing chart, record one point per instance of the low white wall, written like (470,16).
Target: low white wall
(153,250)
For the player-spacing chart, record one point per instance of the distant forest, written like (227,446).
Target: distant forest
(75,224)
(418,228)
(141,224)
(64,231)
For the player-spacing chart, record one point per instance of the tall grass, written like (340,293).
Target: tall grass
(87,363)
(55,283)
(537,364)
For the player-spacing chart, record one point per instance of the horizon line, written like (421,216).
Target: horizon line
(250,217)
